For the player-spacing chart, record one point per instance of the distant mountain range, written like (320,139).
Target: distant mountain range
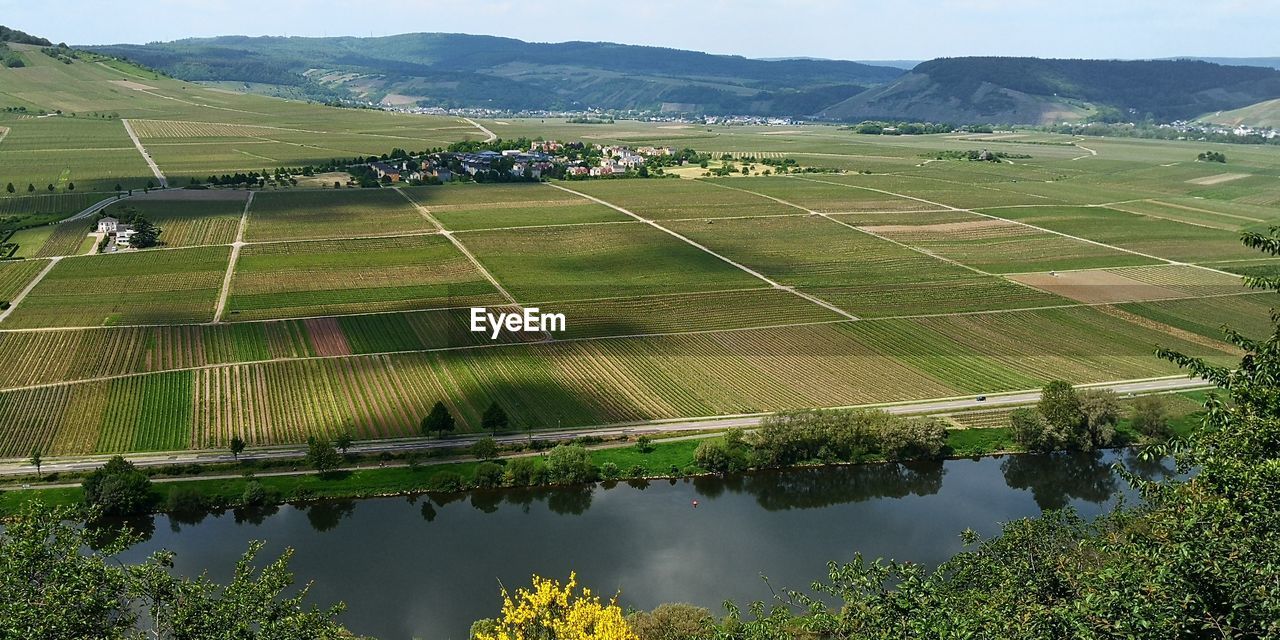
(455,70)
(1034,90)
(452,70)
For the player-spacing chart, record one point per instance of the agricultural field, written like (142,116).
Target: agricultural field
(332,213)
(15,275)
(573,263)
(862,274)
(318,278)
(469,208)
(187,218)
(347,309)
(147,287)
(1158,237)
(681,199)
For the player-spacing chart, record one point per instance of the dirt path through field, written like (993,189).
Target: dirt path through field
(13,304)
(155,168)
(777,285)
(231,262)
(491,135)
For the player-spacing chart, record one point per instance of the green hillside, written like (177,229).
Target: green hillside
(1264,114)
(63,117)
(454,70)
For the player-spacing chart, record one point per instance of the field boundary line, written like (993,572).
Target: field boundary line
(1032,226)
(483,129)
(231,262)
(919,250)
(1196,209)
(13,304)
(1202,225)
(811,298)
(545,226)
(155,168)
(4,133)
(461,247)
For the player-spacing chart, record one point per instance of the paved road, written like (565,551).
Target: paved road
(942,405)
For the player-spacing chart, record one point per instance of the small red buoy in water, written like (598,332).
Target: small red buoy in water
(695,504)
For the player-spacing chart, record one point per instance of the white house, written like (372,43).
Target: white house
(108,225)
(124,234)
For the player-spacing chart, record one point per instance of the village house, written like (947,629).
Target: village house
(385,170)
(108,225)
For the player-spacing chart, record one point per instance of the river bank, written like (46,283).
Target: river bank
(254,484)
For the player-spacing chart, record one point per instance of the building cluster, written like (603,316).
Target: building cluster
(544,158)
(121,234)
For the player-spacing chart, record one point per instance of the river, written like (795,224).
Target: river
(426,567)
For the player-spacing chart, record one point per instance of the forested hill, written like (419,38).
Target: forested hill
(455,70)
(19,37)
(991,89)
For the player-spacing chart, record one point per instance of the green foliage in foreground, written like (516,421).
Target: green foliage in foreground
(51,589)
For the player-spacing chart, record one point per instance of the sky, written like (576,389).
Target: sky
(838,29)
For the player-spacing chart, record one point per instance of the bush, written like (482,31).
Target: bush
(913,438)
(610,471)
(1029,430)
(485,449)
(185,499)
(446,482)
(118,489)
(488,475)
(1150,418)
(728,454)
(672,622)
(255,495)
(521,472)
(644,444)
(637,471)
(570,464)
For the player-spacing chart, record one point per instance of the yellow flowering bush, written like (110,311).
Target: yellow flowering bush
(551,611)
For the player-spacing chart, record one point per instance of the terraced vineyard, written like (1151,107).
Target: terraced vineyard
(903,278)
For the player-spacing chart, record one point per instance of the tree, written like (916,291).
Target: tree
(117,489)
(485,449)
(344,441)
(237,447)
(494,419)
(1060,406)
(71,186)
(673,622)
(439,420)
(1150,417)
(36,459)
(322,456)
(10,188)
(31,188)
(50,187)
(145,234)
(644,444)
(118,187)
(1029,428)
(1101,411)
(60,580)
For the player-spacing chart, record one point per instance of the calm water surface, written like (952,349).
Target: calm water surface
(427,567)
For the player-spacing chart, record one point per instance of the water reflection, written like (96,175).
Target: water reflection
(428,566)
(1057,478)
(823,487)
